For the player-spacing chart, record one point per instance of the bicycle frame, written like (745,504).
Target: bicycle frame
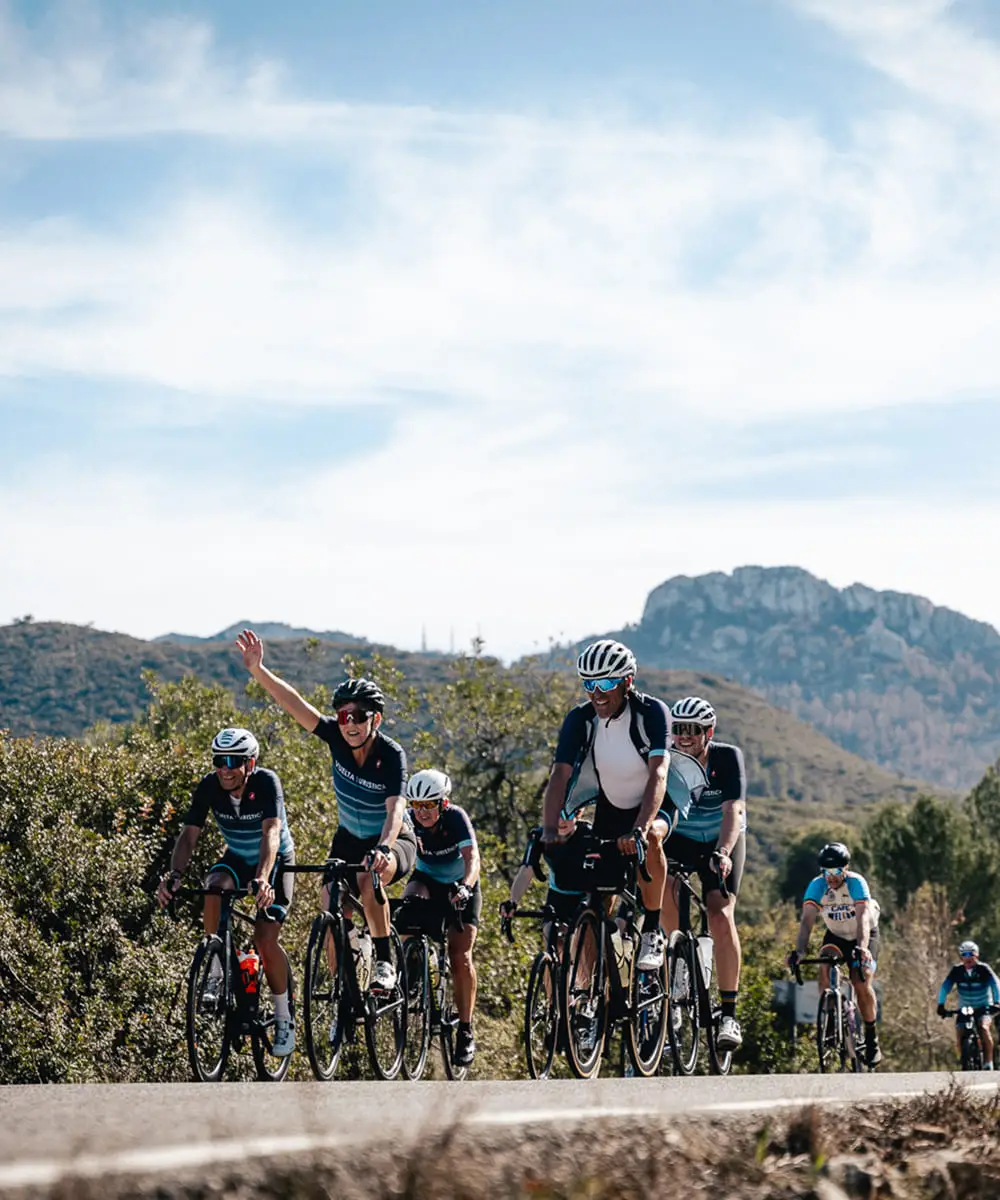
(234,997)
(844,1007)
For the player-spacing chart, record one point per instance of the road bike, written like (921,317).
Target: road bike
(967,1020)
(602,986)
(431,1010)
(226,1004)
(337,992)
(544,1017)
(839,1039)
(692,994)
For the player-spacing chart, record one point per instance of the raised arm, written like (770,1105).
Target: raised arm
(252,649)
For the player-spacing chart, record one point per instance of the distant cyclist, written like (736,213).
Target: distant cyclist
(447,874)
(711,838)
(978,988)
(565,862)
(249,808)
(612,752)
(369,776)
(851,914)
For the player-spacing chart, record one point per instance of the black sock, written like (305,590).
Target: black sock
(383,949)
(728,1003)
(871,1031)
(651,921)
(465,1026)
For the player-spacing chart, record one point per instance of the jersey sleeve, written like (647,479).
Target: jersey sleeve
(815,892)
(657,724)
(857,887)
(741,773)
(945,988)
(201,802)
(328,731)
(271,797)
(465,835)
(395,776)
(993,982)
(572,736)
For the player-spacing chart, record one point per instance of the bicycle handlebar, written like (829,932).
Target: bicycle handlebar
(639,858)
(338,868)
(507,922)
(828,960)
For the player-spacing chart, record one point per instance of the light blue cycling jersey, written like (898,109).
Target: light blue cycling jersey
(977,986)
(838,905)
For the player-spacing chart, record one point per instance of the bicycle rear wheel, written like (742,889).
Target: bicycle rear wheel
(719,1061)
(646,1031)
(385,1019)
(208,1026)
(541,1015)
(828,1046)
(418,1007)
(683,1014)
(270,1068)
(585,994)
(325,997)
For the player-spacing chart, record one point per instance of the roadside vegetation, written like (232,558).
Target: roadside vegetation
(92,974)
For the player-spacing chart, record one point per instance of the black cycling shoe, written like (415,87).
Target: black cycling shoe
(465,1048)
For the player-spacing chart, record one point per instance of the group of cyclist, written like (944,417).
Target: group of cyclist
(653,780)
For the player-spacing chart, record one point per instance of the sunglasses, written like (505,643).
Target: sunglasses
(601,685)
(424,805)
(834,873)
(968,954)
(352,716)
(232,761)
(688,729)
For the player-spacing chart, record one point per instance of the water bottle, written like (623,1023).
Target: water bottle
(621,956)
(361,945)
(705,953)
(249,970)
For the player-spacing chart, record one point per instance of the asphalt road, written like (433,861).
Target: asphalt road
(47,1131)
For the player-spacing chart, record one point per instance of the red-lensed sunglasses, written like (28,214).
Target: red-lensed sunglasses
(352,716)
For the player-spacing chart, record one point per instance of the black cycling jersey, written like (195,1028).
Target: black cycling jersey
(262,800)
(362,792)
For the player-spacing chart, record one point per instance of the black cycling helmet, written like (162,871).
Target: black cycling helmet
(834,856)
(364,692)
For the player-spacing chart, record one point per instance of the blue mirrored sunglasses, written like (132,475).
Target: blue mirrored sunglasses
(232,761)
(967,954)
(601,685)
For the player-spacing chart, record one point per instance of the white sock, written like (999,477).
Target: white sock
(281,1010)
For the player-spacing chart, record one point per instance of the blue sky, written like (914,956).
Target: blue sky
(433,304)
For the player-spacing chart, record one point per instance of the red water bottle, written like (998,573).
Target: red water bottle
(249,970)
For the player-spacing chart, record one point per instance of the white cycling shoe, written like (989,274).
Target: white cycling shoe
(384,977)
(730,1035)
(284,1039)
(651,950)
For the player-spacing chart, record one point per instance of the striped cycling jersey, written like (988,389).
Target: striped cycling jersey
(262,800)
(362,792)
(839,905)
(727,780)
(439,848)
(977,986)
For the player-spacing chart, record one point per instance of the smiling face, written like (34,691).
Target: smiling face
(232,778)
(691,738)
(426,812)
(356,724)
(607,701)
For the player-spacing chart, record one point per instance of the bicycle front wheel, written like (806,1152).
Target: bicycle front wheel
(647,1026)
(828,1045)
(418,1007)
(683,1013)
(541,1016)
(972,1052)
(444,989)
(325,998)
(208,1027)
(585,994)
(269,1067)
(385,1019)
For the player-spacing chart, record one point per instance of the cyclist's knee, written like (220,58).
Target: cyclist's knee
(221,879)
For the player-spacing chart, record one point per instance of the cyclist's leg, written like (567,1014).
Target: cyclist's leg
(722,922)
(225,874)
(688,853)
(986,1037)
(656,864)
(463,968)
(401,859)
(267,929)
(867,1001)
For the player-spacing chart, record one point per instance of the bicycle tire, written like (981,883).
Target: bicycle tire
(325,998)
(646,1029)
(208,1024)
(828,1046)
(972,1051)
(584,988)
(270,1069)
(683,1012)
(854,1055)
(448,1014)
(418,1007)
(385,1020)
(541,1015)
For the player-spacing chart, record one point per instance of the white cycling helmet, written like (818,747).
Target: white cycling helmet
(429,785)
(236,741)
(605,659)
(968,948)
(694,709)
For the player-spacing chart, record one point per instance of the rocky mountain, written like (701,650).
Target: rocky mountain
(270,630)
(889,676)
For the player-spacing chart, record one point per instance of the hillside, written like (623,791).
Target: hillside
(889,676)
(60,679)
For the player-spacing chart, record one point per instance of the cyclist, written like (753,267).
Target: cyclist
(447,874)
(712,839)
(565,860)
(978,988)
(369,775)
(249,808)
(612,751)
(851,914)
